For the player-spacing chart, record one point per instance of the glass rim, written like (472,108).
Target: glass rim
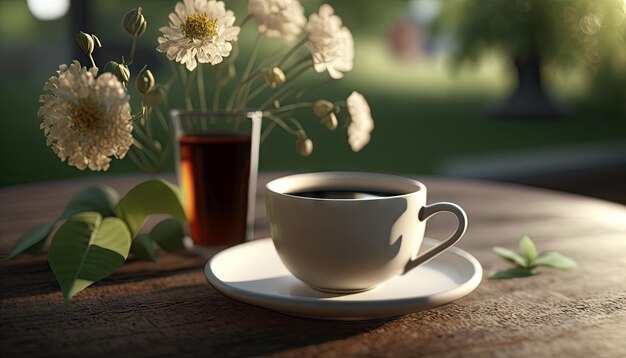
(180,113)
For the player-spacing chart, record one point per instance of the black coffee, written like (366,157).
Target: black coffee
(343,194)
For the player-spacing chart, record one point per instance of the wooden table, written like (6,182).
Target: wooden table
(167,308)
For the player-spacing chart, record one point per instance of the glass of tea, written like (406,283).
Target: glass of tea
(217,157)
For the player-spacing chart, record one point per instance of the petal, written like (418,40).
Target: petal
(190,7)
(326,10)
(203,57)
(319,67)
(181,11)
(334,74)
(175,20)
(216,59)
(225,50)
(231,33)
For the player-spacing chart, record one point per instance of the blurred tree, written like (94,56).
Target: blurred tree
(533,33)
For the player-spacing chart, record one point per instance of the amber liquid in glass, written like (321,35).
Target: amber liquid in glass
(215,172)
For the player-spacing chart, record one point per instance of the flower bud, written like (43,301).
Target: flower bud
(120,71)
(154,96)
(87,42)
(274,77)
(134,23)
(304,145)
(325,111)
(144,81)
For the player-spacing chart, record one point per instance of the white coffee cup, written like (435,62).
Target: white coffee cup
(354,237)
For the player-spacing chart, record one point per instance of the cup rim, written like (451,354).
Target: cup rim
(271,187)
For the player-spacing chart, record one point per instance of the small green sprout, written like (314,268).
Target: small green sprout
(526,262)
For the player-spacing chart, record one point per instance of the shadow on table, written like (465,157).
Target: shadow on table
(31,275)
(217,325)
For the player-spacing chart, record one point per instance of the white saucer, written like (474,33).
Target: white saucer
(253,273)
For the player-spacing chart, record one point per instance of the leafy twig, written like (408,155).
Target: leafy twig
(526,262)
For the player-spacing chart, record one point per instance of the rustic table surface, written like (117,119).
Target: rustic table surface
(168,308)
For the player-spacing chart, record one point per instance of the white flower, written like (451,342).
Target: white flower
(198,29)
(361,123)
(86,120)
(278,18)
(330,43)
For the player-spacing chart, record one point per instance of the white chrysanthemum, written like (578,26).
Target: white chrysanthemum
(86,120)
(278,18)
(198,29)
(361,122)
(330,43)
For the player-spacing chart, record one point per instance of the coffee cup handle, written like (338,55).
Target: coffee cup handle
(425,213)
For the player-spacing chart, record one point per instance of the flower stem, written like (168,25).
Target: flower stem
(290,107)
(313,87)
(239,91)
(253,55)
(287,88)
(133,47)
(280,122)
(149,126)
(218,88)
(245,20)
(140,133)
(255,93)
(292,51)
(180,71)
(296,123)
(201,93)
(246,92)
(93,63)
(304,59)
(162,120)
(138,162)
(267,131)
(237,95)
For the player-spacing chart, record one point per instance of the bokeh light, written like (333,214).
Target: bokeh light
(48,9)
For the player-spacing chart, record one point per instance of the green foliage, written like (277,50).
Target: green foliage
(142,248)
(510,256)
(168,234)
(563,31)
(151,197)
(31,241)
(528,261)
(516,272)
(93,242)
(554,259)
(87,248)
(101,199)
(527,246)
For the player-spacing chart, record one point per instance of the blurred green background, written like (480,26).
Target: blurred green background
(431,70)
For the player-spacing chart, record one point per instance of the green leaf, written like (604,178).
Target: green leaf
(169,235)
(554,259)
(31,241)
(142,248)
(150,197)
(512,273)
(87,248)
(101,199)
(510,256)
(527,246)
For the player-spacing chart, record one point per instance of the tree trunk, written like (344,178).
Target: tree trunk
(529,99)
